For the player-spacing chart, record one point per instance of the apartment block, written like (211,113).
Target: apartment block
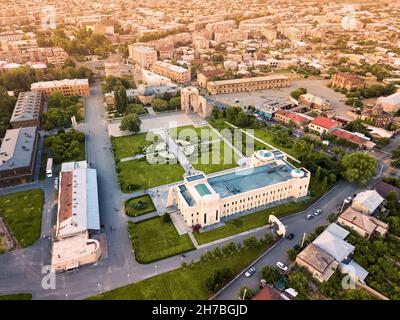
(171,71)
(68,87)
(142,55)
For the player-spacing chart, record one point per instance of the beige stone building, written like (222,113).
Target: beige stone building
(142,55)
(192,101)
(171,71)
(28,110)
(247,84)
(204,201)
(68,87)
(347,81)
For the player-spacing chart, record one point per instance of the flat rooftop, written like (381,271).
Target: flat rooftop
(59,83)
(17,148)
(250,179)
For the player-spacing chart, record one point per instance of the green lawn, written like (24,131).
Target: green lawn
(128,146)
(218,159)
(22,211)
(248,222)
(183,284)
(268,138)
(17,296)
(155,239)
(139,205)
(145,175)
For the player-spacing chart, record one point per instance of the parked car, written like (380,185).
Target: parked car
(348,200)
(282,266)
(56,183)
(296,247)
(309,216)
(290,236)
(317,212)
(263,283)
(250,272)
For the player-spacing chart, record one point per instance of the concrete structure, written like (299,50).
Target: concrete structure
(367,201)
(28,110)
(68,87)
(171,71)
(347,81)
(231,36)
(192,101)
(390,103)
(322,125)
(363,224)
(142,55)
(206,201)
(78,214)
(314,102)
(204,76)
(247,84)
(17,156)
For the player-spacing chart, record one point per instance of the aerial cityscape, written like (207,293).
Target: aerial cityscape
(199,150)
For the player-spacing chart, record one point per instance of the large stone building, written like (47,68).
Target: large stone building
(171,71)
(28,110)
(390,103)
(347,81)
(205,201)
(192,101)
(77,216)
(247,84)
(17,156)
(142,55)
(68,87)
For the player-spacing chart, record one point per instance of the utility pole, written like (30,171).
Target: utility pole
(244,293)
(304,238)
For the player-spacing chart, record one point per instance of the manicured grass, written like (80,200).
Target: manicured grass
(155,239)
(216,160)
(250,221)
(128,146)
(183,284)
(133,207)
(268,138)
(22,211)
(145,175)
(17,296)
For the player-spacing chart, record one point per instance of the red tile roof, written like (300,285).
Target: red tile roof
(349,136)
(325,122)
(295,117)
(267,293)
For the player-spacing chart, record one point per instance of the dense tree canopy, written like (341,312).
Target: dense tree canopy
(131,123)
(66,146)
(358,167)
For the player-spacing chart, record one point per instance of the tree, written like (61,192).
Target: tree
(120,98)
(318,174)
(324,184)
(295,94)
(131,123)
(298,281)
(174,103)
(271,274)
(358,167)
(160,104)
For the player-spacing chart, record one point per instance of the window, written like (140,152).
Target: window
(205,218)
(216,215)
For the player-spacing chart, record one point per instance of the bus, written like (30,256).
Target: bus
(49,167)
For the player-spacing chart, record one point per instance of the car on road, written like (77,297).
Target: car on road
(250,272)
(296,247)
(317,212)
(282,266)
(263,283)
(348,200)
(290,236)
(309,216)
(56,183)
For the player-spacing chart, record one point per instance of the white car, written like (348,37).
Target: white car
(56,183)
(250,272)
(281,266)
(348,200)
(317,212)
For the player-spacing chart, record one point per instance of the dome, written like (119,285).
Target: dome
(145,91)
(297,173)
